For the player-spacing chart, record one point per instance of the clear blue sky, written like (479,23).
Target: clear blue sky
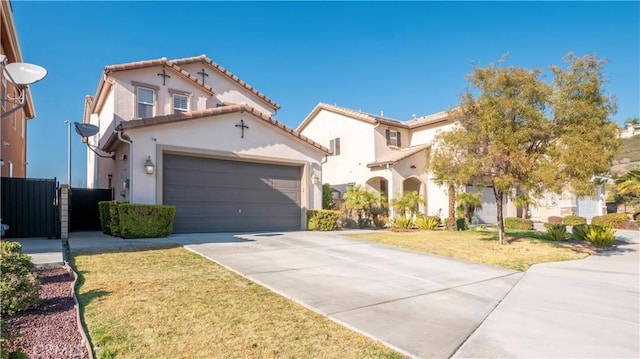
(401,58)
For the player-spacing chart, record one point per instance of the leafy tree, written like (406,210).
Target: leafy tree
(517,132)
(450,167)
(327,197)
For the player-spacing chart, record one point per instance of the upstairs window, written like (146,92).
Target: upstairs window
(145,98)
(334,146)
(180,103)
(393,138)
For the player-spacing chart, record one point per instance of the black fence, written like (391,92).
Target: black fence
(83,208)
(30,207)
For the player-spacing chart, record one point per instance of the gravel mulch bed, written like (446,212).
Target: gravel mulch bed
(51,330)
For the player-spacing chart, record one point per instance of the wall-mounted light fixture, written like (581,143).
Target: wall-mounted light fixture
(315,177)
(149,167)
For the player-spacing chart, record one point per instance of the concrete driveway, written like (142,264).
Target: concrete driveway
(422,305)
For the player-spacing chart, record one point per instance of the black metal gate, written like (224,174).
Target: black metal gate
(84,214)
(30,207)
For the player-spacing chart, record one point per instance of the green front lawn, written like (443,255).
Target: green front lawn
(526,247)
(172,303)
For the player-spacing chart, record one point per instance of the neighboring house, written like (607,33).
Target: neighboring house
(13,135)
(390,157)
(218,154)
(383,154)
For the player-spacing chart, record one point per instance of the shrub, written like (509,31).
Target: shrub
(19,287)
(574,220)
(145,220)
(518,223)
(613,220)
(322,220)
(403,222)
(600,235)
(364,222)
(579,231)
(461,224)
(556,231)
(380,222)
(105,219)
(428,222)
(554,219)
(114,218)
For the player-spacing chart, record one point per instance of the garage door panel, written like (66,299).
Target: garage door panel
(214,195)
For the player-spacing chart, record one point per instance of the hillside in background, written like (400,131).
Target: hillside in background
(628,156)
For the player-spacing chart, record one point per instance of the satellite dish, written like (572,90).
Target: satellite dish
(86,129)
(24,74)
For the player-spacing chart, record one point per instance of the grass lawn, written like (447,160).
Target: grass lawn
(172,303)
(526,247)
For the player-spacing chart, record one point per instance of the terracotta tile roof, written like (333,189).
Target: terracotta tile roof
(185,116)
(373,119)
(158,62)
(397,156)
(204,59)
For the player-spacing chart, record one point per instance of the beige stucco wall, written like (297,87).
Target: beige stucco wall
(218,137)
(356,147)
(125,92)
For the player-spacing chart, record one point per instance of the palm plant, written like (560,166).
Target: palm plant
(408,203)
(629,183)
(469,201)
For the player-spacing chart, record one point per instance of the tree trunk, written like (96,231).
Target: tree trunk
(498,195)
(452,206)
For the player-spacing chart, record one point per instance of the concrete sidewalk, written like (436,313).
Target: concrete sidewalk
(585,308)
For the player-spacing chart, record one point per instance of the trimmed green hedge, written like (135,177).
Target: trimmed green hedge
(145,221)
(518,223)
(574,220)
(121,219)
(322,219)
(105,218)
(613,220)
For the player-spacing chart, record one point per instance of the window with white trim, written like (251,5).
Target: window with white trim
(180,103)
(145,101)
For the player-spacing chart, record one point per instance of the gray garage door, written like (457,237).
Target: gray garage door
(213,195)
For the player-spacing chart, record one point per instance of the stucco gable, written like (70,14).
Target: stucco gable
(186,116)
(373,119)
(205,60)
(170,65)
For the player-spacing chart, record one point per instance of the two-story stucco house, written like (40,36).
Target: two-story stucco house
(390,156)
(385,155)
(189,133)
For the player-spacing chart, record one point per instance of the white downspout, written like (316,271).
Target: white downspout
(130,160)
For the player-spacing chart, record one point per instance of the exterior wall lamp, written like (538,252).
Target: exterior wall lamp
(149,167)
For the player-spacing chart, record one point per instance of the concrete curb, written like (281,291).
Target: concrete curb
(83,334)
